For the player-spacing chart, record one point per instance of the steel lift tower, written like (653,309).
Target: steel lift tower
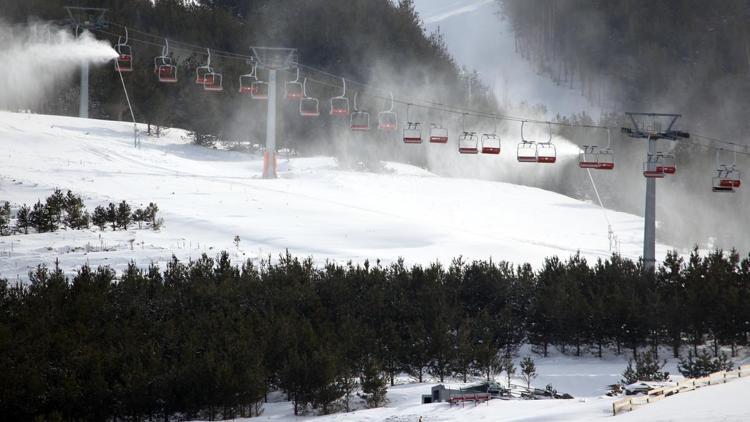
(82,18)
(653,169)
(272,59)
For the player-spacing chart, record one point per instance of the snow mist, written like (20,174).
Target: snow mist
(39,56)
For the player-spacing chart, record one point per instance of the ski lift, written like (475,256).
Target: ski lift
(545,151)
(202,71)
(359,120)
(438,134)
(728,178)
(340,104)
(124,61)
(606,160)
(669,164)
(653,168)
(387,120)
(294,89)
(526,150)
(658,165)
(163,67)
(249,84)
(246,82)
(491,142)
(308,106)
(594,157)
(467,141)
(588,157)
(412,133)
(258,89)
(214,82)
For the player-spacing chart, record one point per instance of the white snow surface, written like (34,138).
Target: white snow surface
(207,196)
(584,377)
(726,403)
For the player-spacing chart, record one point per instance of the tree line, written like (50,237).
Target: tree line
(208,338)
(67,210)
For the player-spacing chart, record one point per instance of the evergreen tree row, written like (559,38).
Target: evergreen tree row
(67,210)
(208,338)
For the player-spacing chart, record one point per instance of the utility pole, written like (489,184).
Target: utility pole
(273,59)
(656,166)
(85,18)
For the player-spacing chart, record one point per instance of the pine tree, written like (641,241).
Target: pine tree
(56,206)
(22,219)
(41,219)
(123,215)
(138,217)
(486,346)
(647,368)
(374,384)
(100,217)
(528,371)
(5,219)
(149,214)
(463,346)
(75,215)
(112,215)
(701,365)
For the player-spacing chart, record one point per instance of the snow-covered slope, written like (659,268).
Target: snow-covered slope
(208,196)
(716,403)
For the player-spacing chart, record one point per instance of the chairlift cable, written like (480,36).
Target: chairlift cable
(130,107)
(715,143)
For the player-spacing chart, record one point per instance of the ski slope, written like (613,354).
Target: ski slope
(207,197)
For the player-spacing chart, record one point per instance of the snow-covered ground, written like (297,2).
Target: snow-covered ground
(726,403)
(584,377)
(206,197)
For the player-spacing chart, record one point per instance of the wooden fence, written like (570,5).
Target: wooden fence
(690,384)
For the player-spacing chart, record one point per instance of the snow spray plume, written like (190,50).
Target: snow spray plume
(37,57)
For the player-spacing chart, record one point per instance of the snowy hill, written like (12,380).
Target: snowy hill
(206,197)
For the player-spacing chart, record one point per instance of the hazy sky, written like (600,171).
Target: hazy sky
(479,38)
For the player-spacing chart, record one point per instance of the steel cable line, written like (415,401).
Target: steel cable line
(714,143)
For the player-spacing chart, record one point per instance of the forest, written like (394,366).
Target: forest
(209,338)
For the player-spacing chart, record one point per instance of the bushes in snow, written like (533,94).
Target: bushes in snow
(697,366)
(647,368)
(528,371)
(68,210)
